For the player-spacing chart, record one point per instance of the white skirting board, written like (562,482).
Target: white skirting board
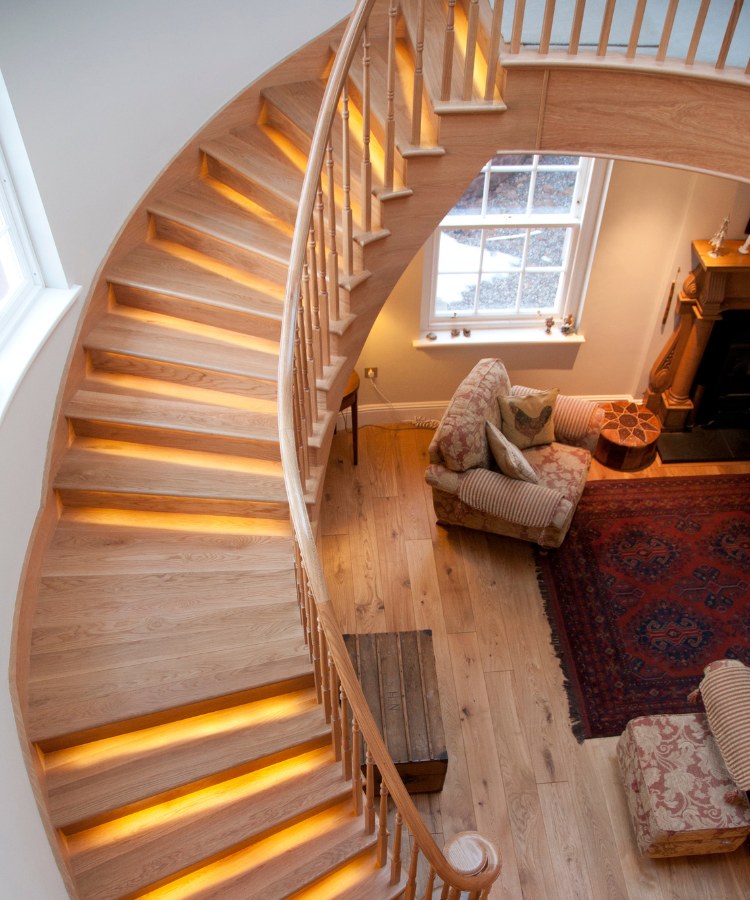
(406,413)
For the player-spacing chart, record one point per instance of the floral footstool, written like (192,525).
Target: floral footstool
(681,797)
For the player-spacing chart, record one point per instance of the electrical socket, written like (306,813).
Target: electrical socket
(371,372)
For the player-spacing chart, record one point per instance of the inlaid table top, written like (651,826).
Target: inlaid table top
(630,425)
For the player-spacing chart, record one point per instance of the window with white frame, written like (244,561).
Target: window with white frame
(19,272)
(516,247)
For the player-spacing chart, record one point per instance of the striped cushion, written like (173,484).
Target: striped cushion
(529,505)
(725,690)
(573,415)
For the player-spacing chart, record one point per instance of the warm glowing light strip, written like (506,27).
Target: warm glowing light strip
(209,264)
(139,384)
(252,207)
(238,863)
(342,880)
(185,326)
(120,748)
(292,152)
(243,788)
(203,524)
(199,459)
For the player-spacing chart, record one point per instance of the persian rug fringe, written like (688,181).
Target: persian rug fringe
(562,653)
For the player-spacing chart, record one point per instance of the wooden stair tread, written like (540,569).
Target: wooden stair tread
(259,161)
(112,773)
(173,414)
(151,267)
(116,467)
(110,861)
(111,542)
(277,866)
(158,337)
(300,102)
(204,209)
(86,700)
(359,879)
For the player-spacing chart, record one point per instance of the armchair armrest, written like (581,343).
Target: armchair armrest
(577,421)
(521,502)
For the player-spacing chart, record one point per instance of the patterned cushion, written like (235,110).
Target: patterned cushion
(725,690)
(529,421)
(676,785)
(460,442)
(560,467)
(508,457)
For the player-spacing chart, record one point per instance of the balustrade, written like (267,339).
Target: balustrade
(322,265)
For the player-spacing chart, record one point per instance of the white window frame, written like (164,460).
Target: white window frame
(583,221)
(12,223)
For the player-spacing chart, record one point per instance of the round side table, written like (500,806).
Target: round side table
(628,437)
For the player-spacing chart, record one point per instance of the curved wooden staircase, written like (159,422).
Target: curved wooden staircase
(165,688)
(170,702)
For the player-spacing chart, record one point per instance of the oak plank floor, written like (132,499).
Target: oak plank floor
(555,807)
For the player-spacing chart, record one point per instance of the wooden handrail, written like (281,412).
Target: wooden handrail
(312,302)
(314,586)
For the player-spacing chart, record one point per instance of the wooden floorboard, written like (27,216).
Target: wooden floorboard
(555,807)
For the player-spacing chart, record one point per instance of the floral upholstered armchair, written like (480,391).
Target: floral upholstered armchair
(511,460)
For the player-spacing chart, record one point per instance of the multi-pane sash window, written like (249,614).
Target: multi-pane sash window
(507,252)
(18,269)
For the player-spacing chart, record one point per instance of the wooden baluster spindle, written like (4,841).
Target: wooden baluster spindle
(666,33)
(333,256)
(450,39)
(635,31)
(471,49)
(306,413)
(346,178)
(411,880)
(299,427)
(390,94)
(335,707)
(356,767)
(309,348)
(346,753)
(366,186)
(325,683)
(609,11)
(549,14)
(396,855)
(494,54)
(325,313)
(517,32)
(700,21)
(383,826)
(729,34)
(575,28)
(369,793)
(312,262)
(430,883)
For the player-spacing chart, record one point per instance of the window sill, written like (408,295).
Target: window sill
(26,337)
(480,337)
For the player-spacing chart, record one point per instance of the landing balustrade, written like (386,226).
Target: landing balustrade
(477,40)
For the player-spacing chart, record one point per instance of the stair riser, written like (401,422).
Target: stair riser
(159,503)
(263,194)
(199,842)
(196,311)
(129,787)
(245,447)
(123,364)
(225,251)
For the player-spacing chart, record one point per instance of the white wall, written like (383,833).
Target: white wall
(651,216)
(105,94)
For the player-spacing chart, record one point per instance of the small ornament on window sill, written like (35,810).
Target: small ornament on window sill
(568,326)
(548,323)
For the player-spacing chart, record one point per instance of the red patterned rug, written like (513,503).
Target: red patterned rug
(651,584)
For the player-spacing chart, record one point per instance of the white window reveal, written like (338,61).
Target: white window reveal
(515,250)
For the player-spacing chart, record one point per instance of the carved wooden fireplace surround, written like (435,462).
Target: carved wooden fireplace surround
(715,285)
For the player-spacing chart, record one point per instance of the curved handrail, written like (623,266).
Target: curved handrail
(476,882)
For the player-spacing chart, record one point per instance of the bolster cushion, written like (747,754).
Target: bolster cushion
(529,505)
(725,691)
